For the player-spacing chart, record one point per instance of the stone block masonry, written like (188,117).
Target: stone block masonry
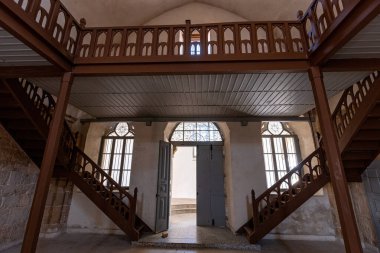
(18,177)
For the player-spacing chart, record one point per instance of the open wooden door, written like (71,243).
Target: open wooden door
(163,188)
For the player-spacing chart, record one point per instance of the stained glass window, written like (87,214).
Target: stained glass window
(281,151)
(116,153)
(196,132)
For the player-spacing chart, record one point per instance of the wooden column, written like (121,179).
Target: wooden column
(337,173)
(46,171)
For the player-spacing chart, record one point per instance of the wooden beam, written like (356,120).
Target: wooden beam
(346,65)
(191,68)
(357,19)
(203,119)
(25,31)
(335,165)
(29,71)
(51,149)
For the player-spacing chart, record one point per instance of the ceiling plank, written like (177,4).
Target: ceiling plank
(192,68)
(24,30)
(29,71)
(358,18)
(346,65)
(199,119)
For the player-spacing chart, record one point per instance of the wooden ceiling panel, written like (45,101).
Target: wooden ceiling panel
(228,95)
(15,53)
(366,44)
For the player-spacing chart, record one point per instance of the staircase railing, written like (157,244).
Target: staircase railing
(350,102)
(42,100)
(86,168)
(76,160)
(277,202)
(322,17)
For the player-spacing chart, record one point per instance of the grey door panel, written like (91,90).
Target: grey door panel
(163,188)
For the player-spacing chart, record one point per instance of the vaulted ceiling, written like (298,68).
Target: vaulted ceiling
(133,12)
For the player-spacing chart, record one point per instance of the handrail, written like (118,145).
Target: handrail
(84,164)
(310,170)
(73,157)
(202,41)
(350,101)
(322,17)
(42,100)
(51,18)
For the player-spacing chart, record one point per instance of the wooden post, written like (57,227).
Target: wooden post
(337,173)
(51,149)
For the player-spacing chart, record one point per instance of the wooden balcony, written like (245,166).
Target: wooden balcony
(220,42)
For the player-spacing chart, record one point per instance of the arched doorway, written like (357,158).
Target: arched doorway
(197,173)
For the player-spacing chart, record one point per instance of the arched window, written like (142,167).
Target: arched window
(281,150)
(116,153)
(196,132)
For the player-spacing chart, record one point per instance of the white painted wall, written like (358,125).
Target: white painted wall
(184,173)
(145,168)
(245,171)
(198,13)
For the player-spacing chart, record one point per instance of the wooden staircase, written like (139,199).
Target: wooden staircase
(357,122)
(26,112)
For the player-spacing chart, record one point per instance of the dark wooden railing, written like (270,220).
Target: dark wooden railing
(287,194)
(206,42)
(114,194)
(243,40)
(77,161)
(41,100)
(52,20)
(350,102)
(322,17)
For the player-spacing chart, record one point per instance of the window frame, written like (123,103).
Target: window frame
(130,135)
(195,143)
(273,154)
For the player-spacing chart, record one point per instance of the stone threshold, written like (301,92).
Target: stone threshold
(189,245)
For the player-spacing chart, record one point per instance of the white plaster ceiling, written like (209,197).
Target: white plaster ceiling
(139,12)
(366,44)
(222,95)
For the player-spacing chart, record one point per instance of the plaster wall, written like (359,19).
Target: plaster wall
(246,171)
(198,13)
(18,177)
(145,169)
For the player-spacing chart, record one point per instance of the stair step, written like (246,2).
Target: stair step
(12,113)
(26,134)
(367,135)
(371,123)
(352,156)
(248,230)
(375,112)
(182,211)
(356,164)
(182,206)
(358,145)
(19,124)
(7,102)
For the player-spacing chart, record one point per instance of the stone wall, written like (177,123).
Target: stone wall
(57,207)
(18,177)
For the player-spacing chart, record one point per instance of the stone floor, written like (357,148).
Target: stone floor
(183,237)
(95,243)
(183,232)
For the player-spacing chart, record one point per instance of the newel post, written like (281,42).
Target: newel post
(335,165)
(255,210)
